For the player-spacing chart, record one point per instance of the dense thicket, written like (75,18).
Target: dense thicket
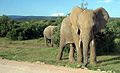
(24,30)
(109,40)
(106,41)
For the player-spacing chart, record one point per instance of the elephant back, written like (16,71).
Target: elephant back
(48,31)
(65,30)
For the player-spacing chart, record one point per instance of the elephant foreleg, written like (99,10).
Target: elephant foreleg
(92,53)
(71,53)
(79,53)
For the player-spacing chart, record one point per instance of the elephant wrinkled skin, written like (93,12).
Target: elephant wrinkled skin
(48,34)
(79,28)
(67,37)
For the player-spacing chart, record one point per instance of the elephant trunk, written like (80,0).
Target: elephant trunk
(85,40)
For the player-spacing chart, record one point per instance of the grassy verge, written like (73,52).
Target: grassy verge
(35,43)
(48,56)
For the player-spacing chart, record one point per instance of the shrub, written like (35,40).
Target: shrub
(15,34)
(12,35)
(25,32)
(56,36)
(6,25)
(106,41)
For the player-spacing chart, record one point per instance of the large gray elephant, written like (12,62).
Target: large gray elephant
(48,35)
(83,25)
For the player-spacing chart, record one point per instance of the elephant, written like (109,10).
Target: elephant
(48,34)
(79,28)
(66,37)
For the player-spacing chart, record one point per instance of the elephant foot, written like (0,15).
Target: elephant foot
(93,62)
(83,67)
(79,65)
(59,57)
(72,60)
(51,45)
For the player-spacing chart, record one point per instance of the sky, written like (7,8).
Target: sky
(54,7)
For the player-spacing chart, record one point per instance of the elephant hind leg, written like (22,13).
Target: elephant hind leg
(51,43)
(61,48)
(71,53)
(45,40)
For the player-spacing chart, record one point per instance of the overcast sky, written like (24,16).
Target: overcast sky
(54,7)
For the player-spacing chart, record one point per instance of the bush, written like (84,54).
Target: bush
(106,41)
(25,33)
(24,30)
(15,34)
(56,36)
(12,35)
(6,25)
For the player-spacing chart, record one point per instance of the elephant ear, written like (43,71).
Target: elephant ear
(102,17)
(74,16)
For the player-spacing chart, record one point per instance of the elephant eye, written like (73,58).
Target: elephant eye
(93,18)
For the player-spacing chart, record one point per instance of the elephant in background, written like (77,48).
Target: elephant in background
(48,35)
(83,25)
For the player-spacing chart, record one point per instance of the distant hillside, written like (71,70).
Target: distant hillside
(24,18)
(17,17)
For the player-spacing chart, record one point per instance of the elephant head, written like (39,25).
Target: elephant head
(100,16)
(87,22)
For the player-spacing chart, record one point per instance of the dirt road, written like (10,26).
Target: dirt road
(7,66)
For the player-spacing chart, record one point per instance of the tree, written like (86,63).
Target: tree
(84,4)
(4,25)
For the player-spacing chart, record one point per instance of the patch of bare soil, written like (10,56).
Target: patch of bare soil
(8,66)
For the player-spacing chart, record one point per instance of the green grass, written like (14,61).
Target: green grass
(48,55)
(29,54)
(107,63)
(35,43)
